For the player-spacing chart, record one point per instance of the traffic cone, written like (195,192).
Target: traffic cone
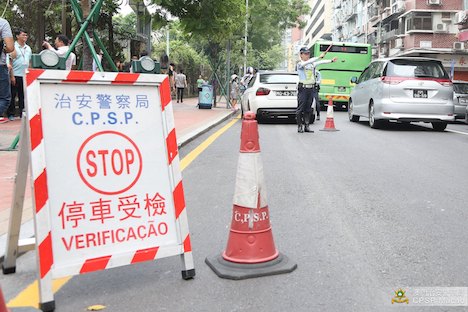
(3,307)
(329,123)
(250,250)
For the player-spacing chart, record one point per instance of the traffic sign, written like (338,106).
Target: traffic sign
(105,170)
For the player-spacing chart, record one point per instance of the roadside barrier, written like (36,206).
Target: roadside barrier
(250,250)
(330,122)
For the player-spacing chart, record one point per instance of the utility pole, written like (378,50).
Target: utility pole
(245,34)
(167,40)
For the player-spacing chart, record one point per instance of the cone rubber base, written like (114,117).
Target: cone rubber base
(238,271)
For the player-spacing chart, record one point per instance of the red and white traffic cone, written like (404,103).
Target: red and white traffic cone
(330,122)
(3,307)
(250,250)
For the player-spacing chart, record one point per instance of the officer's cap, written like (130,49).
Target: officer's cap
(304,50)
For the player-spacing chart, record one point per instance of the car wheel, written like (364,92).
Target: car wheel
(373,123)
(439,126)
(351,116)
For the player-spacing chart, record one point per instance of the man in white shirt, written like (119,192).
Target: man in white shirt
(181,84)
(61,48)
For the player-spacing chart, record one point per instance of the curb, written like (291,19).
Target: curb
(184,140)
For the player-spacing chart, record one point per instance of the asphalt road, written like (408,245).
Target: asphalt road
(362,212)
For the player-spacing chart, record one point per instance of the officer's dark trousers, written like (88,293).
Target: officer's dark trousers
(305,99)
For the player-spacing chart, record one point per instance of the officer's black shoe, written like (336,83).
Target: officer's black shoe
(318,117)
(300,129)
(307,129)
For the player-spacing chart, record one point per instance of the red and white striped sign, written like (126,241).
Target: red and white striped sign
(108,189)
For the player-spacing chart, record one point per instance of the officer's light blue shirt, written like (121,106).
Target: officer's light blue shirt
(306,69)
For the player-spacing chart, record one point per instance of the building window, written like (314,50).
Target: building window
(420,21)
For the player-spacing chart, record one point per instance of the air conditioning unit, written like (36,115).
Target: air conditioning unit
(398,43)
(441,27)
(433,2)
(459,46)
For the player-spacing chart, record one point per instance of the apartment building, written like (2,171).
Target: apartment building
(292,42)
(404,27)
(319,22)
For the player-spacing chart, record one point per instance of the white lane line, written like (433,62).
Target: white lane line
(455,131)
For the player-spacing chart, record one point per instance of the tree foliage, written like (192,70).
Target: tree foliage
(40,19)
(211,23)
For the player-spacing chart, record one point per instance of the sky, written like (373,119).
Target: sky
(125,8)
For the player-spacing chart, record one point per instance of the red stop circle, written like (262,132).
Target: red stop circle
(109,162)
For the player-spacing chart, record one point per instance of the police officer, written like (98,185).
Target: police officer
(306,88)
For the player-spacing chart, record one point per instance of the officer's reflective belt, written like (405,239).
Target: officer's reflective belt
(307,86)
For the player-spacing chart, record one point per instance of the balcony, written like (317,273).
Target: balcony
(390,34)
(351,14)
(373,14)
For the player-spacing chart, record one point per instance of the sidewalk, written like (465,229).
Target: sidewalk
(190,122)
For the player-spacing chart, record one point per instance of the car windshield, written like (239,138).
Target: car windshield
(416,69)
(460,87)
(279,78)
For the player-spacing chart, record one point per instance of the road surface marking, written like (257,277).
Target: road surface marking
(455,131)
(200,148)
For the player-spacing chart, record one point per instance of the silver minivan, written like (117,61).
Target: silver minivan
(404,89)
(460,98)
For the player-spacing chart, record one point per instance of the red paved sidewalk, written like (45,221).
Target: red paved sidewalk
(189,122)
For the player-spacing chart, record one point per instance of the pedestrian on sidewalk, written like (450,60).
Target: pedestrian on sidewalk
(8,47)
(181,84)
(244,83)
(200,83)
(99,56)
(306,88)
(172,73)
(20,64)
(234,91)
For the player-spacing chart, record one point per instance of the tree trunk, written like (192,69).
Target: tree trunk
(40,27)
(111,36)
(66,21)
(87,57)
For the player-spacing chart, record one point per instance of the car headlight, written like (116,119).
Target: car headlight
(49,58)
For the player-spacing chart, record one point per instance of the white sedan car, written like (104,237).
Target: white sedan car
(272,95)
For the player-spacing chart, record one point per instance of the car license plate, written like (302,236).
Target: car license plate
(420,94)
(341,89)
(286,93)
(463,100)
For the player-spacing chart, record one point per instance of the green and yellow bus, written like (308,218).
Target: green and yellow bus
(353,58)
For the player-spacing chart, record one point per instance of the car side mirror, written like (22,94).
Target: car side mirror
(354,79)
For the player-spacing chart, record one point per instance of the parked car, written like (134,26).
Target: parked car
(272,95)
(460,98)
(466,115)
(404,89)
